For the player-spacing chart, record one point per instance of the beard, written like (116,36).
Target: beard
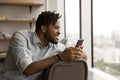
(50,38)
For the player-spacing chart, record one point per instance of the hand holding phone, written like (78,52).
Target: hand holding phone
(79,42)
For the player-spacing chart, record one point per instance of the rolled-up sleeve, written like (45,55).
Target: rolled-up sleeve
(21,53)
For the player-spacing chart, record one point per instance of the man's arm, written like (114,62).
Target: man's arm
(40,65)
(69,54)
(24,61)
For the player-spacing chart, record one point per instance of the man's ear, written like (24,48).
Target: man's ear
(43,28)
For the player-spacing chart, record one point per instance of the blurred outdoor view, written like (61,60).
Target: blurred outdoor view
(106,34)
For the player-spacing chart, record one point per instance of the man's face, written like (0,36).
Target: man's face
(52,33)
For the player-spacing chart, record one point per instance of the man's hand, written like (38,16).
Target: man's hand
(73,53)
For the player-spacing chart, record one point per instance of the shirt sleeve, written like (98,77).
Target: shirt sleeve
(21,54)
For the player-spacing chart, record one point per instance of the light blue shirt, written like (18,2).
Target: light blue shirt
(25,48)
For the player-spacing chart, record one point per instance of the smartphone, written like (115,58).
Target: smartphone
(79,42)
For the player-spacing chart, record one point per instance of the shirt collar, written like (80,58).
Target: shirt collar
(37,40)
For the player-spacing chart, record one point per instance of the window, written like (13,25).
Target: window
(106,36)
(72,18)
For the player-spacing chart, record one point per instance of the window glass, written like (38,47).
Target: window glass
(106,36)
(72,15)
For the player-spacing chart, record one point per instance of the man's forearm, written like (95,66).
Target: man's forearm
(39,65)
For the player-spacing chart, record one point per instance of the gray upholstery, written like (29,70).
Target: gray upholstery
(67,70)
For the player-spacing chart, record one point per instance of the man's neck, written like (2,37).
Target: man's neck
(43,40)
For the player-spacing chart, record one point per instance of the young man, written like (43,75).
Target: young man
(31,52)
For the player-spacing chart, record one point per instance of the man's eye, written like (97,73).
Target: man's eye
(56,27)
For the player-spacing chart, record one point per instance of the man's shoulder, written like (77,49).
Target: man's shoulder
(23,32)
(60,46)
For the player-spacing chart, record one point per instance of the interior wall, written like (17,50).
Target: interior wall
(86,28)
(17,12)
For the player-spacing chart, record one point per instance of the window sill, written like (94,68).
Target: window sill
(95,74)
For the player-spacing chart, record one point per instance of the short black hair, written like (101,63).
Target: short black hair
(46,18)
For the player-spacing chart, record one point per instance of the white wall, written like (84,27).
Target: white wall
(19,12)
(86,27)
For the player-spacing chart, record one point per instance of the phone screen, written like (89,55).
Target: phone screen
(79,42)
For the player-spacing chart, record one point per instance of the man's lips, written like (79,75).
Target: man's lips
(57,37)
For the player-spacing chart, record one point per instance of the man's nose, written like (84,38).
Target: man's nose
(58,32)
